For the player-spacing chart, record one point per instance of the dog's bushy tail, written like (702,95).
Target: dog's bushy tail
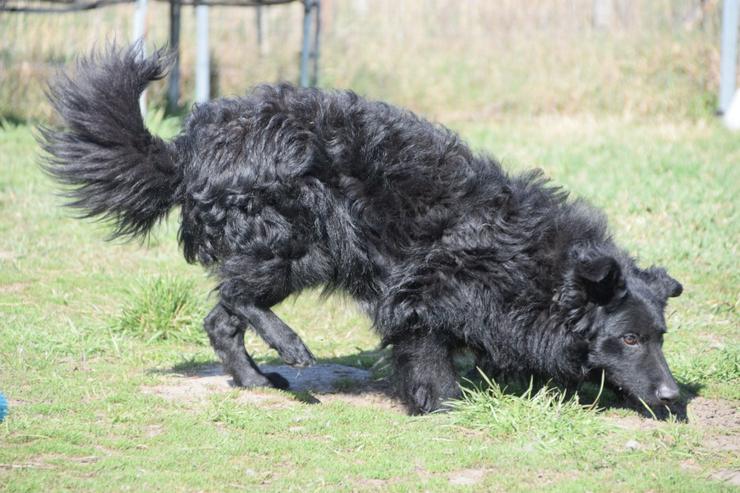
(116,168)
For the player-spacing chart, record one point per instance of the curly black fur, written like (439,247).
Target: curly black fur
(290,188)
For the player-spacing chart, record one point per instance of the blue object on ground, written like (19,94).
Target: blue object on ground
(3,407)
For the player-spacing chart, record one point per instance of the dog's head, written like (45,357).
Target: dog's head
(626,324)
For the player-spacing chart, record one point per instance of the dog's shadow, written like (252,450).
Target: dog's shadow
(368,372)
(361,373)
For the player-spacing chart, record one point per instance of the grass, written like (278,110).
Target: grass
(544,416)
(163,309)
(90,330)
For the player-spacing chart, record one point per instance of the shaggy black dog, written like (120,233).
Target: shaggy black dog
(290,188)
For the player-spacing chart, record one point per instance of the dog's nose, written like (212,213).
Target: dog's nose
(667,393)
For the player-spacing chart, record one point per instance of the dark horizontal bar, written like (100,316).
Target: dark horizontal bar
(74,6)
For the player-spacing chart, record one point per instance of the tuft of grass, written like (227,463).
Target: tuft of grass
(545,415)
(162,125)
(163,309)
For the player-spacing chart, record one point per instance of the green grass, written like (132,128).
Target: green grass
(90,328)
(546,415)
(165,308)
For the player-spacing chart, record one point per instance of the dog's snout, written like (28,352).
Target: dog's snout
(667,393)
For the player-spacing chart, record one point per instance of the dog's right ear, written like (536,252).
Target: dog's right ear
(600,276)
(664,284)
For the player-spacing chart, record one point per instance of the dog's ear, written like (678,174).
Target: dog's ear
(600,276)
(664,284)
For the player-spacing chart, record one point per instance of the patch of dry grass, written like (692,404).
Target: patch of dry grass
(449,60)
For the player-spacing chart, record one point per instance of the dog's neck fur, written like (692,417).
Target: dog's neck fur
(556,318)
(555,345)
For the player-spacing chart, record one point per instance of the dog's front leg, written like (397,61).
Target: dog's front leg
(425,372)
(227,338)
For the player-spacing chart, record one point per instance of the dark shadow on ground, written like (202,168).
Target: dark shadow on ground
(360,373)
(369,372)
(9,119)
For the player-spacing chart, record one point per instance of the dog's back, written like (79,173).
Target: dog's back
(287,174)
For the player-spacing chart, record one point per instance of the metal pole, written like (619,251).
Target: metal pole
(315,51)
(202,63)
(305,48)
(602,13)
(138,36)
(173,89)
(728,62)
(262,41)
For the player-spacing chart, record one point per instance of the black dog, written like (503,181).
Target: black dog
(290,188)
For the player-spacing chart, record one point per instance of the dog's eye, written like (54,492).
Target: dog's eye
(630,339)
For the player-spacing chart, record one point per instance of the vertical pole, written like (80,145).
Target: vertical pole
(315,50)
(305,48)
(173,89)
(262,42)
(602,13)
(138,35)
(202,62)
(728,63)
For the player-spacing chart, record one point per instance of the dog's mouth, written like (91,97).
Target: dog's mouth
(634,398)
(649,407)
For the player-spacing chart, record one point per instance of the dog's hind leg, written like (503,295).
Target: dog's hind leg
(226,333)
(277,334)
(426,375)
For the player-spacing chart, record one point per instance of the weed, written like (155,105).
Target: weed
(163,309)
(547,414)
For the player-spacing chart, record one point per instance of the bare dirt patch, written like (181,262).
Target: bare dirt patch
(330,382)
(467,477)
(701,411)
(718,419)
(371,398)
(634,422)
(13,287)
(714,413)
(727,476)
(372,484)
(51,461)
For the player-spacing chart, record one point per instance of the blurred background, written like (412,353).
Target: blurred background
(453,61)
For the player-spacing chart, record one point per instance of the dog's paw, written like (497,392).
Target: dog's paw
(428,398)
(423,399)
(278,381)
(274,380)
(298,355)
